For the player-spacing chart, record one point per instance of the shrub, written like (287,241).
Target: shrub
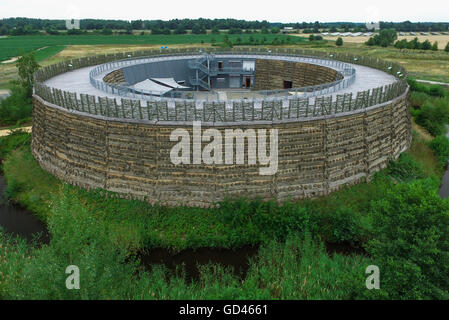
(417,99)
(426,45)
(405,169)
(341,225)
(385,38)
(418,87)
(447,47)
(435,46)
(433,118)
(437,91)
(13,189)
(411,242)
(16,107)
(339,42)
(440,146)
(15,140)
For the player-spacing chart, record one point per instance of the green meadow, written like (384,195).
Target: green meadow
(13,46)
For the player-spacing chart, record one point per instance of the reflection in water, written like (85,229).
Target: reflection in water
(444,189)
(237,259)
(20,222)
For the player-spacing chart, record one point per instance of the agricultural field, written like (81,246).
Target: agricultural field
(441,39)
(14,46)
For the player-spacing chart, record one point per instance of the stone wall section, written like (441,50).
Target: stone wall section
(115,77)
(271,74)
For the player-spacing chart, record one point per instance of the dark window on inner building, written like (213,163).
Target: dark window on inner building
(288,84)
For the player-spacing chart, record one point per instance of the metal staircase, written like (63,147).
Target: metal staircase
(203,69)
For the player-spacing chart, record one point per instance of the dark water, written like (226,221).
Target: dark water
(237,259)
(20,222)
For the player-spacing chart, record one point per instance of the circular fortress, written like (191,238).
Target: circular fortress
(116,122)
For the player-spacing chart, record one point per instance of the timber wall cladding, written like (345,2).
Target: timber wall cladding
(316,157)
(115,77)
(270,74)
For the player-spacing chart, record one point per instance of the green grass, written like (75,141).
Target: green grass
(48,52)
(14,46)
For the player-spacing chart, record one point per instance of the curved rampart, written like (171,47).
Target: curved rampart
(125,148)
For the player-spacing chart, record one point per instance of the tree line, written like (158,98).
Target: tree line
(28,26)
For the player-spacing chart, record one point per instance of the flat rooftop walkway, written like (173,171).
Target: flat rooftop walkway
(78,81)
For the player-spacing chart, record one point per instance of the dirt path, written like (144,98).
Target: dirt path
(433,82)
(5,132)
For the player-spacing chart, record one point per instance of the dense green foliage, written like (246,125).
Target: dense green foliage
(27,66)
(385,38)
(22,26)
(14,46)
(415,44)
(440,146)
(411,242)
(339,41)
(17,108)
(431,106)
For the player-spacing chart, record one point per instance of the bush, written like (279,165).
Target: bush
(447,47)
(437,91)
(411,242)
(13,189)
(15,140)
(440,146)
(433,117)
(16,107)
(417,99)
(405,169)
(341,225)
(385,38)
(435,46)
(339,42)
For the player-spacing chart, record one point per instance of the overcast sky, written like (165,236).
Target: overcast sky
(273,11)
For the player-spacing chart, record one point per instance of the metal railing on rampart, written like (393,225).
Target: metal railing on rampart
(178,109)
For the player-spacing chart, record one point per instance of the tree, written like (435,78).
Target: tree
(370,42)
(339,42)
(311,37)
(426,45)
(3,31)
(385,38)
(106,32)
(27,66)
(435,46)
(129,29)
(411,242)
